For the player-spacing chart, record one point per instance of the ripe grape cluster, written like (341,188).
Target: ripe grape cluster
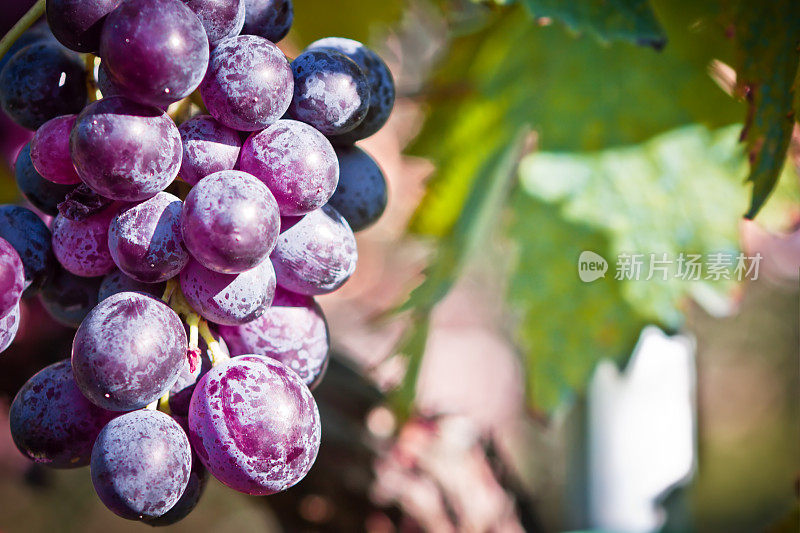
(186,250)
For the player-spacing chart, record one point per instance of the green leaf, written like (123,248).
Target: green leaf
(609,20)
(355,19)
(679,192)
(576,94)
(768,45)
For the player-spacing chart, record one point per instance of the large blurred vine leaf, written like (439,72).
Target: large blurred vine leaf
(577,94)
(355,19)
(767,35)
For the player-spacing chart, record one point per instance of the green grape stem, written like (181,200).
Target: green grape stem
(21,26)
(217,355)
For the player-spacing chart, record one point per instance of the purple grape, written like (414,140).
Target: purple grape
(104,83)
(43,194)
(249,83)
(12,278)
(255,425)
(8,328)
(156,51)
(361,194)
(42,81)
(381,84)
(293,331)
(181,392)
(50,151)
(128,351)
(69,298)
(230,299)
(52,423)
(317,254)
(222,19)
(118,282)
(140,464)
(82,246)
(145,239)
(31,238)
(230,222)
(124,150)
(331,92)
(270,19)
(77,23)
(208,147)
(296,162)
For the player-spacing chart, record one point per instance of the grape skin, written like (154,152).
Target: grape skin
(255,425)
(296,162)
(77,23)
(37,33)
(124,150)
(42,81)
(43,194)
(145,240)
(118,282)
(222,19)
(208,147)
(12,278)
(140,464)
(31,238)
(229,299)
(128,351)
(52,423)
(50,151)
(156,51)
(331,92)
(9,325)
(230,222)
(317,254)
(249,83)
(82,246)
(361,194)
(292,331)
(69,298)
(381,83)
(270,19)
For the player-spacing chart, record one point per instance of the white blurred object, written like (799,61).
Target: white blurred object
(641,432)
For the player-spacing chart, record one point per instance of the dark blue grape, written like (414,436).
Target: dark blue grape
(43,194)
(31,238)
(77,23)
(42,81)
(361,194)
(69,298)
(39,32)
(140,464)
(118,282)
(270,19)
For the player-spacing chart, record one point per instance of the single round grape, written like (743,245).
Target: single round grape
(50,151)
(31,238)
(230,222)
(43,194)
(82,246)
(249,83)
(156,51)
(124,150)
(208,147)
(9,325)
(296,162)
(381,84)
(42,81)
(118,282)
(145,239)
(37,33)
(181,392)
(331,92)
(228,298)
(12,278)
(105,84)
(140,464)
(128,351)
(293,331)
(69,298)
(270,19)
(222,19)
(317,254)
(52,422)
(361,194)
(77,23)
(255,425)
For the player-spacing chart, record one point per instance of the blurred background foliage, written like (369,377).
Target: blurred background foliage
(552,128)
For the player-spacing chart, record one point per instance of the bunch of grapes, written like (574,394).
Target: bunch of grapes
(187,256)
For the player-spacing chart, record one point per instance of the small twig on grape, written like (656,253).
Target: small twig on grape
(168,290)
(217,355)
(152,406)
(163,404)
(19,28)
(92,61)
